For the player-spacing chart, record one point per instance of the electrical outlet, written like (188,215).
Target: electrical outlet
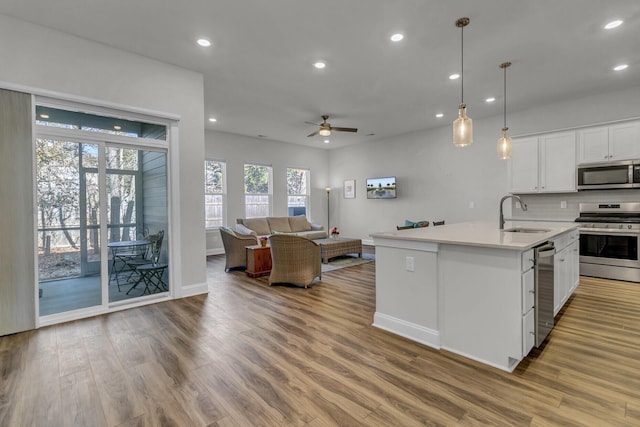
(563,204)
(409,263)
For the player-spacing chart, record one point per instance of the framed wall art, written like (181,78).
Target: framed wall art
(349,188)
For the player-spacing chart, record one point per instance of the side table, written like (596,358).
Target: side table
(258,260)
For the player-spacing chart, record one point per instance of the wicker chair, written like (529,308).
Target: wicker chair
(234,247)
(294,260)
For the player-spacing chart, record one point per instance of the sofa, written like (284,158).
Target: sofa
(267,226)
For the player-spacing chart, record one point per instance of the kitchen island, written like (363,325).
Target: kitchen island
(468,288)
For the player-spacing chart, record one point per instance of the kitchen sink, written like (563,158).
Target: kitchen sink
(526,230)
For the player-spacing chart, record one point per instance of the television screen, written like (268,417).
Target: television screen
(381,188)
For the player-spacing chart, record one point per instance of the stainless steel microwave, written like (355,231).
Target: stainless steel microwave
(601,176)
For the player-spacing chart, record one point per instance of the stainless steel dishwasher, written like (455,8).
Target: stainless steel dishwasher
(544,255)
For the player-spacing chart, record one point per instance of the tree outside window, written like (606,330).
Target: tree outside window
(214,193)
(257,190)
(297,191)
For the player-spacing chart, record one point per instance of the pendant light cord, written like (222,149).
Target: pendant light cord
(505,97)
(462,64)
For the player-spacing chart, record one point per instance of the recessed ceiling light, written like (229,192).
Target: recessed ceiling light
(117,127)
(440,115)
(397,37)
(320,64)
(613,24)
(326,141)
(620,67)
(44,116)
(490,99)
(454,76)
(204,42)
(213,119)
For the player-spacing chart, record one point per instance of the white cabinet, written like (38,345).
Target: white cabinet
(544,163)
(528,311)
(566,269)
(609,143)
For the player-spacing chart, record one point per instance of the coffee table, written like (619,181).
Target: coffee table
(336,246)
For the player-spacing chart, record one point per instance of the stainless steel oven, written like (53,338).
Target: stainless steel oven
(610,240)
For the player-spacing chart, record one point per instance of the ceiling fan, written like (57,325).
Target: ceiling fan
(326,128)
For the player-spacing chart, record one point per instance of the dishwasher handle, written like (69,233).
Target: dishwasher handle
(546,252)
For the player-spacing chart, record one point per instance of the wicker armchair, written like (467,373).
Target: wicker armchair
(234,247)
(294,260)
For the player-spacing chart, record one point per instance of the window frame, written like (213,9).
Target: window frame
(307,195)
(269,193)
(223,194)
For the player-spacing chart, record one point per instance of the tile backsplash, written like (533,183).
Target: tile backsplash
(549,206)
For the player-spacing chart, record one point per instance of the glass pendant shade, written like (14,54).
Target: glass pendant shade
(504,145)
(462,128)
(324,132)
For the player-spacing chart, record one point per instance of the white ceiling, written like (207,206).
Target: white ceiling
(259,78)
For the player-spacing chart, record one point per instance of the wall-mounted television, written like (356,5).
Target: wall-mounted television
(381,188)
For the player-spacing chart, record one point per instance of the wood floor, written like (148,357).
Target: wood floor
(250,355)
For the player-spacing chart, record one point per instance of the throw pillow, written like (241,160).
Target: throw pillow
(280,223)
(299,223)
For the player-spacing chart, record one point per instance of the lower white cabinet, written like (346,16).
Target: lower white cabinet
(528,311)
(566,269)
(528,332)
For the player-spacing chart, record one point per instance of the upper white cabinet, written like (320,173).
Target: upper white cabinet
(545,163)
(609,143)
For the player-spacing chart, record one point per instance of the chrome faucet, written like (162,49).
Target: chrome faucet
(523,204)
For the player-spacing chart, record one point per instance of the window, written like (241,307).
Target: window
(257,190)
(214,193)
(297,191)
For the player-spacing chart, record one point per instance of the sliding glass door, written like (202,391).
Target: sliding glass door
(91,189)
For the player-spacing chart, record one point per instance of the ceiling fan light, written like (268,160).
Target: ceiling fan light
(504,145)
(462,128)
(324,132)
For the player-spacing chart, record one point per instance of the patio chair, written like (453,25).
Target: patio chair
(294,259)
(234,247)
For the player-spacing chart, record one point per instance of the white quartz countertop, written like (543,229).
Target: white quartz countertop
(483,234)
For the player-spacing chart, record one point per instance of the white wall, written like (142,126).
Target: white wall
(237,150)
(438,181)
(44,59)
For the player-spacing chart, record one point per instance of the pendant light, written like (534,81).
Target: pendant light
(504,143)
(462,126)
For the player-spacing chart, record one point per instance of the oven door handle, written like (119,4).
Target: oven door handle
(609,232)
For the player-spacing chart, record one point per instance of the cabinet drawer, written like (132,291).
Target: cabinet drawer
(528,295)
(528,332)
(527,260)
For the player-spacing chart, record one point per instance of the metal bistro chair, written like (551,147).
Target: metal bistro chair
(128,256)
(151,272)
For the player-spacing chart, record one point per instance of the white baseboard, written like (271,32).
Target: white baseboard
(408,330)
(191,290)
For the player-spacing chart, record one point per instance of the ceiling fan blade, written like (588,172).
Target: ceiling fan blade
(309,123)
(344,129)
(313,134)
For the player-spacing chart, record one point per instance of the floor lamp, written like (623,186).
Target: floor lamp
(328,190)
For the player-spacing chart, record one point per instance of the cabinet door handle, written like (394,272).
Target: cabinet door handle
(532,292)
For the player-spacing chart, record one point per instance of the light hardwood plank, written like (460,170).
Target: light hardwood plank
(253,354)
